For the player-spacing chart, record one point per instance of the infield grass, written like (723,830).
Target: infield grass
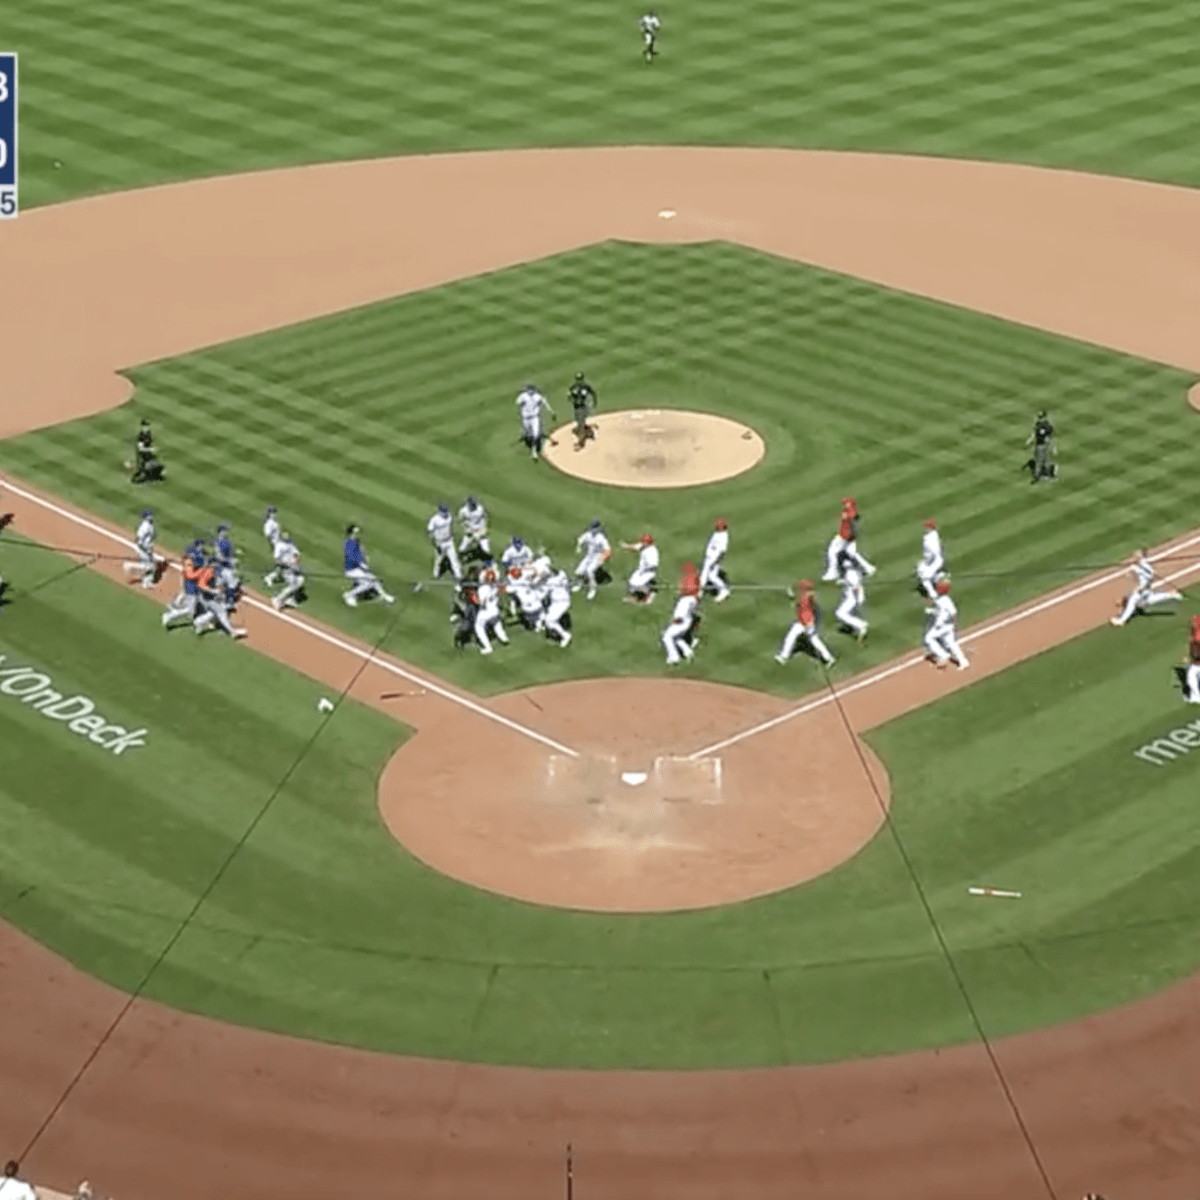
(242,847)
(140,93)
(916,408)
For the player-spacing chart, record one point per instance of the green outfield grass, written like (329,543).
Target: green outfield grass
(139,93)
(916,408)
(256,817)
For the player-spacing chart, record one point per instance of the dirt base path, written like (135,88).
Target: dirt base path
(177,1105)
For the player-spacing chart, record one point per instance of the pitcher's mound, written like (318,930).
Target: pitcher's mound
(631,821)
(658,448)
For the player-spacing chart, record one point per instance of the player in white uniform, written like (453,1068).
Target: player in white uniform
(287,562)
(1191,665)
(675,636)
(853,596)
(488,619)
(1144,593)
(712,572)
(643,581)
(933,560)
(474,519)
(593,544)
(516,554)
(806,625)
(558,604)
(941,638)
(147,563)
(527,593)
(440,528)
(530,404)
(271,532)
(650,25)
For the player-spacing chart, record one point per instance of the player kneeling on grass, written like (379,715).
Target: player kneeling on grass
(358,570)
(1144,594)
(941,638)
(677,637)
(642,583)
(806,626)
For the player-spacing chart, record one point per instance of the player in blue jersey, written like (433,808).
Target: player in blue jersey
(358,570)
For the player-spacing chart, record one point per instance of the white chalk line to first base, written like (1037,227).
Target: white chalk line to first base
(470,705)
(364,655)
(974,635)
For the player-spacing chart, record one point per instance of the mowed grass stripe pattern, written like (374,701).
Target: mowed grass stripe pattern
(321,926)
(144,93)
(917,409)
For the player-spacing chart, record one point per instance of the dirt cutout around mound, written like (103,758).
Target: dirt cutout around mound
(657,448)
(98,285)
(630,821)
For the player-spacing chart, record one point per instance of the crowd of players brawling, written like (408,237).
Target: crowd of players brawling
(522,587)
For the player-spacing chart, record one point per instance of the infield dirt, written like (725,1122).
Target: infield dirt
(181,1106)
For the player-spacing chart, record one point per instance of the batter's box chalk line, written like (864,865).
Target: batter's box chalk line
(695,780)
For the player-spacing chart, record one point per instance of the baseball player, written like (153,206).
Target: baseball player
(593,544)
(1144,594)
(845,540)
(186,603)
(440,528)
(650,25)
(558,605)
(531,404)
(357,569)
(488,618)
(1191,673)
(712,572)
(224,550)
(850,579)
(806,625)
(583,403)
(642,583)
(287,560)
(1041,465)
(675,638)
(526,593)
(933,560)
(271,533)
(464,609)
(516,554)
(941,637)
(211,605)
(147,563)
(474,519)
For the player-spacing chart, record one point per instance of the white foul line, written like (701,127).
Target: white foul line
(328,638)
(1020,615)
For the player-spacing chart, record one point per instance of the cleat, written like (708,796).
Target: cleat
(780,659)
(352,601)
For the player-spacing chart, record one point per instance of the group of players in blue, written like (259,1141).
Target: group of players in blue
(212,587)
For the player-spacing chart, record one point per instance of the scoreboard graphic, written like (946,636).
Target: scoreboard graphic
(8,136)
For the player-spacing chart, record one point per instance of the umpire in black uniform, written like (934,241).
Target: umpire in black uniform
(147,468)
(583,403)
(1041,465)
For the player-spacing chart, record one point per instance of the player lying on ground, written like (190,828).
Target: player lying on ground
(1144,595)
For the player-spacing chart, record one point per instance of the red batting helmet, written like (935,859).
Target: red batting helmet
(646,539)
(931,524)
(722,523)
(942,587)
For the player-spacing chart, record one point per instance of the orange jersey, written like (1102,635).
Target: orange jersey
(1194,650)
(846,528)
(806,611)
(205,577)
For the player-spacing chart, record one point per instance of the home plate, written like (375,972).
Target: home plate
(666,213)
(634,778)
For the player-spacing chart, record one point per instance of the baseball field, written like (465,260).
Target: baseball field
(344,904)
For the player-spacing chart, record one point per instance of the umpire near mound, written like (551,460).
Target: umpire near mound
(1041,466)
(583,403)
